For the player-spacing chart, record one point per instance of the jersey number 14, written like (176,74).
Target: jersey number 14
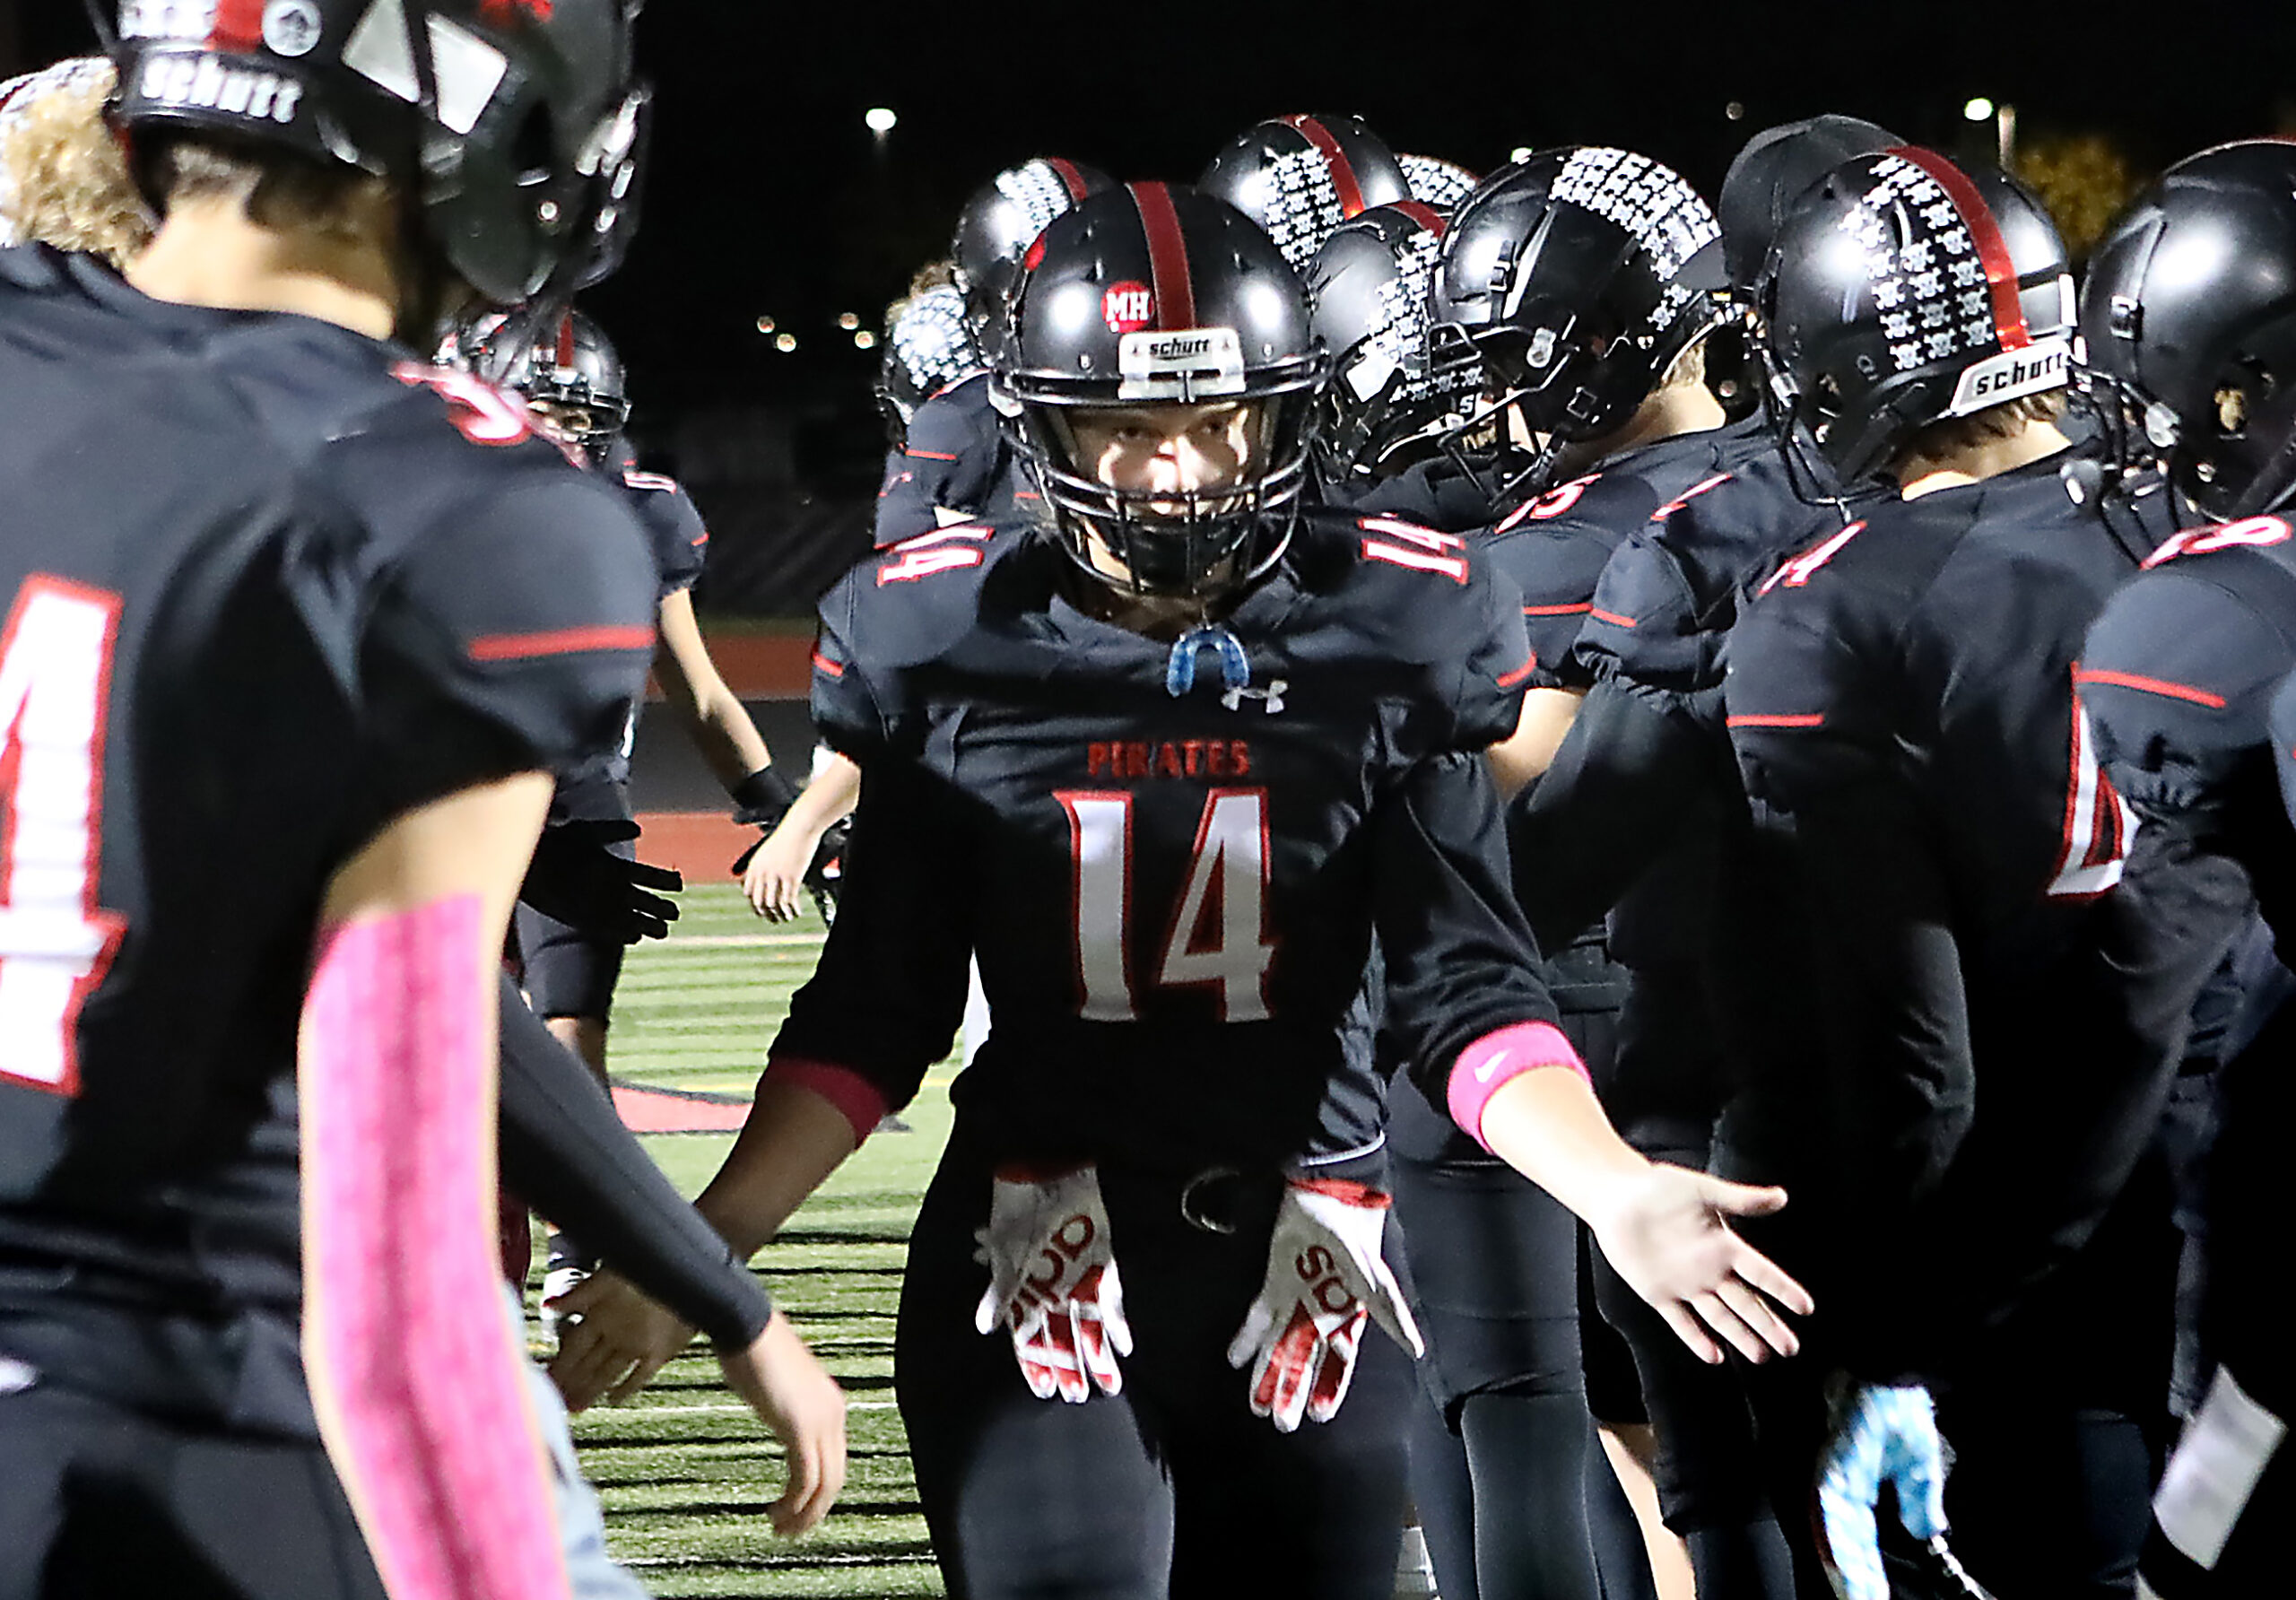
(54,942)
(1217,936)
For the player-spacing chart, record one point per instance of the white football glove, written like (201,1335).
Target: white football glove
(1324,1282)
(1053,1282)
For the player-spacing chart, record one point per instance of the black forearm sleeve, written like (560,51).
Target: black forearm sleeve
(1610,806)
(1460,962)
(566,1151)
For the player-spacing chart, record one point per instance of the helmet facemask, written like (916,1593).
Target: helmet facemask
(1160,540)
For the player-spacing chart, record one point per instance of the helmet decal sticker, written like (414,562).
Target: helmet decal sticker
(1128,306)
(1037,191)
(1436,183)
(290,27)
(1667,220)
(1346,189)
(168,19)
(930,340)
(1984,235)
(1303,205)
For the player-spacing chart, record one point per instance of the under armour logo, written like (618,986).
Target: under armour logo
(1271,696)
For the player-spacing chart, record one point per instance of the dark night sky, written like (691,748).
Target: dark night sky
(769,196)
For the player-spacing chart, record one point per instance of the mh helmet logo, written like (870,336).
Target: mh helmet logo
(1127,306)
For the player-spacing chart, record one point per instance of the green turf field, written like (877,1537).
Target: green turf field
(684,1469)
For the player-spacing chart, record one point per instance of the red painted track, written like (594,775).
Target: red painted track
(760,666)
(701,844)
(654,1111)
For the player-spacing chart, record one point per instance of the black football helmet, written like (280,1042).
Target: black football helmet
(1155,294)
(1001,220)
(1902,291)
(1580,276)
(577,370)
(573,370)
(514,124)
(1775,169)
(1386,406)
(1301,176)
(2190,312)
(929,347)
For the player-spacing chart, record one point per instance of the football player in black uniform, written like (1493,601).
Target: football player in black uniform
(64,182)
(573,380)
(2001,973)
(282,670)
(950,459)
(1163,760)
(1494,1361)
(2189,304)
(1587,282)
(1643,810)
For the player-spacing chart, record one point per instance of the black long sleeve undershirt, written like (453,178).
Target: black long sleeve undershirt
(565,1149)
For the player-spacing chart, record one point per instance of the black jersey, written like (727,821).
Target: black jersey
(2186,677)
(1904,692)
(1171,895)
(954,458)
(1555,546)
(1451,495)
(1653,767)
(678,544)
(675,535)
(270,584)
(2179,675)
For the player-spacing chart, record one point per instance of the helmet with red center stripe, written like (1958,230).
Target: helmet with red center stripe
(1156,295)
(1388,404)
(1002,219)
(1902,291)
(513,125)
(1301,176)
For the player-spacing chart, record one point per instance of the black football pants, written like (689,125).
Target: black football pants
(1173,1487)
(97,1500)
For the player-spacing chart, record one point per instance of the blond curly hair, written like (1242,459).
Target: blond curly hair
(63,180)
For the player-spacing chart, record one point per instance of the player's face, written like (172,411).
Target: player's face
(574,423)
(1167,449)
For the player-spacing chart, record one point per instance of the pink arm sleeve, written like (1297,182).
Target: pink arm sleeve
(415,1371)
(1487,1065)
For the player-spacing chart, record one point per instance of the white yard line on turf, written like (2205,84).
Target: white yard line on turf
(691,1411)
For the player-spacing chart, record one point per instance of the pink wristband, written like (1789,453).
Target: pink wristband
(859,1100)
(1495,1060)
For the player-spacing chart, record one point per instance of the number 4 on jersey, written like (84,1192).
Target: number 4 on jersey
(1218,935)
(2099,824)
(54,944)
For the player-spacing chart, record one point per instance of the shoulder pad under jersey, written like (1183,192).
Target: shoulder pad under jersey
(1429,598)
